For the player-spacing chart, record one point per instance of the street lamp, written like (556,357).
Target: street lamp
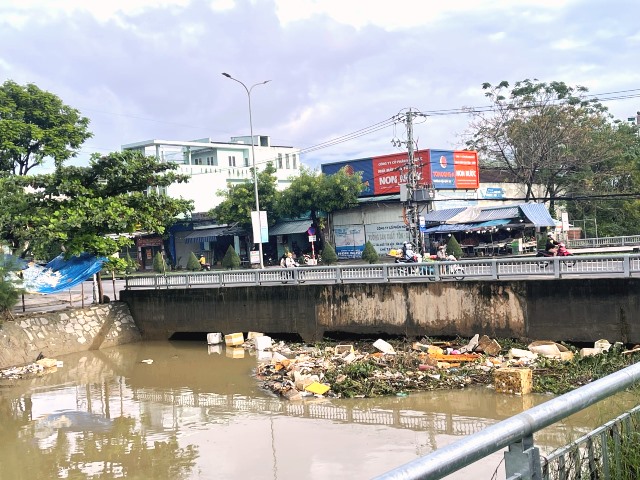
(253,156)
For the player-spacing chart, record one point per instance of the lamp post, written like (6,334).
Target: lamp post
(253,157)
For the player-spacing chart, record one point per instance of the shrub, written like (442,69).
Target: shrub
(193,264)
(453,247)
(159,265)
(370,254)
(329,254)
(231,259)
(9,289)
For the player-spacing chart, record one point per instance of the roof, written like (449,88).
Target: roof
(535,214)
(289,228)
(210,234)
(459,227)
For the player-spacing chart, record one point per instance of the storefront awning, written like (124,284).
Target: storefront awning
(464,227)
(211,234)
(289,228)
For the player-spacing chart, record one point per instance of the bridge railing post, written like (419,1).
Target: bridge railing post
(523,460)
(494,268)
(626,265)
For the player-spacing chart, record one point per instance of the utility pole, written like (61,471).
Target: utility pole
(411,210)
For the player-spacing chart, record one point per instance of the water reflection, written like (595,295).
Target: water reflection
(195,412)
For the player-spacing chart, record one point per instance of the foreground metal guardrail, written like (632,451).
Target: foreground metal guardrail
(522,460)
(485,269)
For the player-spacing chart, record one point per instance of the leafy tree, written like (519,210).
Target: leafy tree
(159,264)
(35,125)
(193,264)
(453,247)
(313,193)
(85,209)
(370,254)
(542,134)
(239,200)
(231,259)
(329,254)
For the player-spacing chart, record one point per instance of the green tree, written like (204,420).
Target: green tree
(36,125)
(313,193)
(453,247)
(542,134)
(89,209)
(193,264)
(239,199)
(329,254)
(370,254)
(231,259)
(159,264)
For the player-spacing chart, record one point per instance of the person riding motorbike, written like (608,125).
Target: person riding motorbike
(562,250)
(552,245)
(408,255)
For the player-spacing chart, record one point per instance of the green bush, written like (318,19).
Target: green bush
(329,256)
(9,289)
(231,259)
(370,254)
(159,265)
(453,247)
(193,264)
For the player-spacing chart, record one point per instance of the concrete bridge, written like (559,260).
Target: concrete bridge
(577,310)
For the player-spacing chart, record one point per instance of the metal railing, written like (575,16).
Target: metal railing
(625,241)
(522,460)
(525,267)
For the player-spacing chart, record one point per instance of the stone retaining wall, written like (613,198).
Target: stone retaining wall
(63,332)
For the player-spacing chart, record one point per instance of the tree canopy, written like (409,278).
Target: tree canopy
(239,200)
(35,125)
(543,134)
(313,192)
(87,209)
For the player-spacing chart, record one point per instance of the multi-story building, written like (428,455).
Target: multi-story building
(212,167)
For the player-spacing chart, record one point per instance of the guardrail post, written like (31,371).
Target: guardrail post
(494,268)
(338,275)
(523,459)
(556,267)
(626,265)
(155,282)
(385,272)
(257,273)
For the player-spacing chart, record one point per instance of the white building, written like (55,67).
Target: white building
(213,166)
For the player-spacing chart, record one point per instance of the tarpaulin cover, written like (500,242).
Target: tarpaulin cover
(60,274)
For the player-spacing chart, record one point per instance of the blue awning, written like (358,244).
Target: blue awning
(211,234)
(537,214)
(463,227)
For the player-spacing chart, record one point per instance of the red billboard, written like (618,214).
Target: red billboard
(439,169)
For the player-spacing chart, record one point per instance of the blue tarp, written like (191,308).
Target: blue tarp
(59,274)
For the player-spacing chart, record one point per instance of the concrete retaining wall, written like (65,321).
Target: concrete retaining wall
(581,310)
(68,331)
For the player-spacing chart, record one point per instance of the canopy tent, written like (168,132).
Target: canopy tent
(211,234)
(465,227)
(478,218)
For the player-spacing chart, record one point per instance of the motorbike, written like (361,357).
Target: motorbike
(562,251)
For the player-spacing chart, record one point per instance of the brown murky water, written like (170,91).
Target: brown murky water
(196,413)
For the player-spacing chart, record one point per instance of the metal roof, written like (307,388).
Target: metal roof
(538,214)
(289,228)
(459,227)
(210,234)
(442,215)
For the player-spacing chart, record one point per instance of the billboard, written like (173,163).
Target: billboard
(439,169)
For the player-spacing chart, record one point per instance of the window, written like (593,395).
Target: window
(280,161)
(295,160)
(232,161)
(286,160)
(246,161)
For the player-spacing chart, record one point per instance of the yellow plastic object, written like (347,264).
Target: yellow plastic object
(317,388)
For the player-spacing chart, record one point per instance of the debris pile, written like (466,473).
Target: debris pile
(39,367)
(296,372)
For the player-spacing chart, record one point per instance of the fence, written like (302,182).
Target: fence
(488,269)
(522,460)
(629,240)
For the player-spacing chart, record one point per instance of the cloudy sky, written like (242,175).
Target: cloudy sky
(338,70)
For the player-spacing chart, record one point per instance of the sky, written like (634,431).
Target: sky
(338,71)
